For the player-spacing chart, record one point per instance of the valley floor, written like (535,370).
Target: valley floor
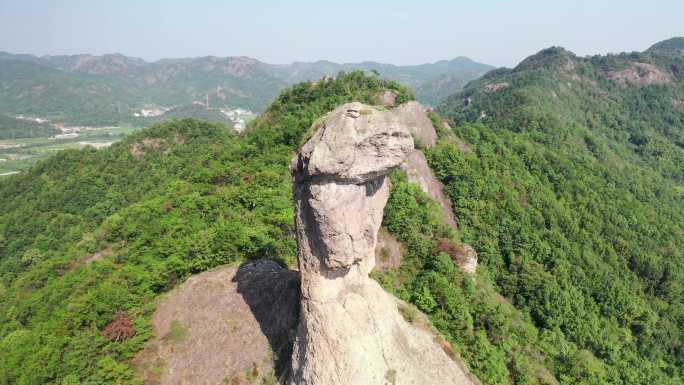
(19,154)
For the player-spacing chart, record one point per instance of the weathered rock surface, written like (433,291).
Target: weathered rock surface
(640,75)
(389,252)
(415,166)
(386,98)
(223,326)
(356,144)
(413,115)
(350,329)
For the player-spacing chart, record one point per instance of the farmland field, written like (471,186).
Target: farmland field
(18,154)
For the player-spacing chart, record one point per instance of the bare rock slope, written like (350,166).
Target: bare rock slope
(350,330)
(224,326)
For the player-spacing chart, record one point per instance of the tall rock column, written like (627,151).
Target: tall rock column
(350,330)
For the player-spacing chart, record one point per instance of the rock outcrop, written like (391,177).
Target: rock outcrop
(386,98)
(224,326)
(350,330)
(640,75)
(468,261)
(414,116)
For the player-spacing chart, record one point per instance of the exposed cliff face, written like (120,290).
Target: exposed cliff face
(350,329)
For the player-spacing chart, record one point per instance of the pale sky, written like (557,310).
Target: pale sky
(496,32)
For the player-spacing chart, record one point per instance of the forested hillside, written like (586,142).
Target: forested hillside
(565,175)
(35,89)
(432,82)
(87,234)
(573,196)
(110,89)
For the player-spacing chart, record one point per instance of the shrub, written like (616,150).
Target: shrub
(121,328)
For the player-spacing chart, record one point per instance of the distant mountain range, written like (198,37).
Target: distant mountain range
(109,89)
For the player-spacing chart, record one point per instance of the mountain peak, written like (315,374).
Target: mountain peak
(673,46)
(550,58)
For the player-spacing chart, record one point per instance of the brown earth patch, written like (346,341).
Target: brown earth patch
(121,328)
(463,255)
(678,105)
(227,325)
(139,149)
(495,87)
(99,255)
(640,75)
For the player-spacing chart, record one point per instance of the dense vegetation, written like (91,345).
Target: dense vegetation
(569,187)
(88,234)
(555,97)
(573,196)
(499,344)
(575,309)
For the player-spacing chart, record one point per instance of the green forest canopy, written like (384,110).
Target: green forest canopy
(580,277)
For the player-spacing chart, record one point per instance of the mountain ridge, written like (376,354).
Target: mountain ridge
(67,57)
(589,90)
(572,196)
(115,85)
